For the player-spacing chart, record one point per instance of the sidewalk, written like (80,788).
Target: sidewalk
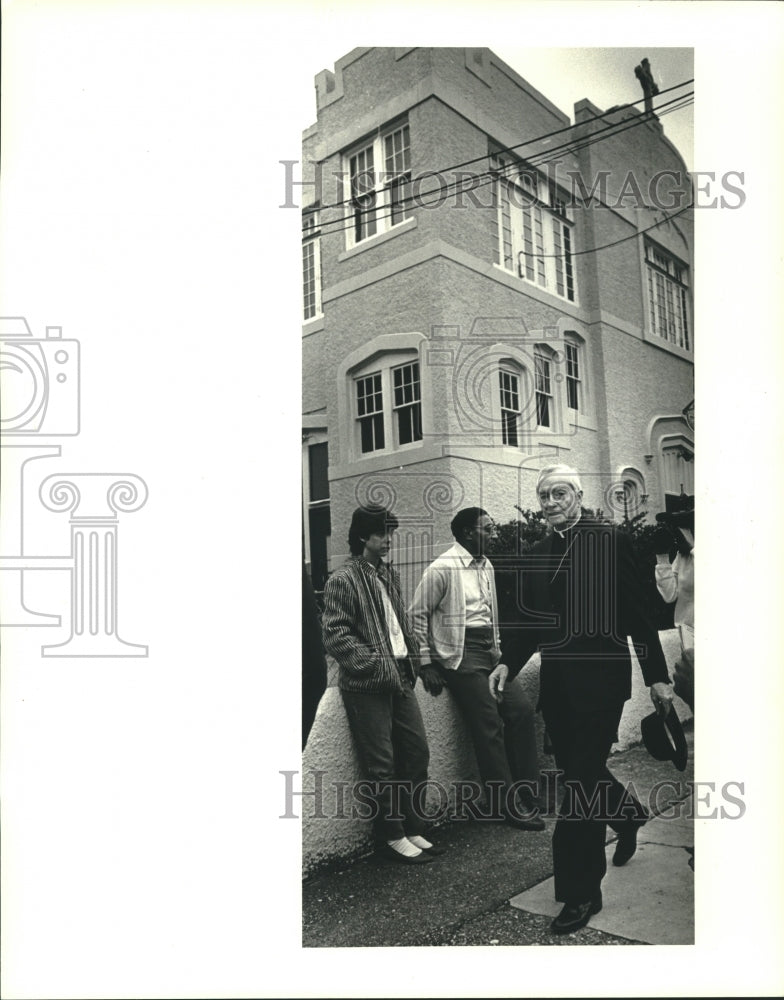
(494,884)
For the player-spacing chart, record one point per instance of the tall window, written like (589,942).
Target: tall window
(572,376)
(668,281)
(380,183)
(397,160)
(510,407)
(370,412)
(315,495)
(407,402)
(311,266)
(535,228)
(544,392)
(389,407)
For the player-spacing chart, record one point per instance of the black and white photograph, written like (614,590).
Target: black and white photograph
(499,466)
(351,361)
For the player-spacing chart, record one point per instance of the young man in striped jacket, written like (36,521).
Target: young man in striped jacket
(367,631)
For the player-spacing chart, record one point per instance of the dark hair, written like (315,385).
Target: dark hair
(366,521)
(466,519)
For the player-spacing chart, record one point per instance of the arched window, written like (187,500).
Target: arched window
(629,494)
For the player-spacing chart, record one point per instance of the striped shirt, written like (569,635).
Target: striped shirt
(355,626)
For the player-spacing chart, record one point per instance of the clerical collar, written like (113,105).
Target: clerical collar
(563,534)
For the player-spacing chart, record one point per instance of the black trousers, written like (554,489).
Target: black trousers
(593,798)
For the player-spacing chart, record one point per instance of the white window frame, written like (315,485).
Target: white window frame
(391,404)
(371,179)
(573,358)
(543,390)
(311,258)
(536,231)
(509,403)
(667,289)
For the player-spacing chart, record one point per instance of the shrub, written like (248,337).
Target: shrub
(516,537)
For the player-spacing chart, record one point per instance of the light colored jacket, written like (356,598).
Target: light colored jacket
(437,613)
(675,582)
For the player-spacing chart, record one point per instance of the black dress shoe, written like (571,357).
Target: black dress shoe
(626,846)
(576,915)
(433,851)
(423,858)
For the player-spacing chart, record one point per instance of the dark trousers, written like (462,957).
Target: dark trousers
(593,799)
(390,740)
(503,732)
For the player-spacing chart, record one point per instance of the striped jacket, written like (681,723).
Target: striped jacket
(355,628)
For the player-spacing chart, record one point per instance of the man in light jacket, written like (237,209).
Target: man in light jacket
(454,615)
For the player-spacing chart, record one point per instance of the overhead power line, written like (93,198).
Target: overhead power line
(478,181)
(550,135)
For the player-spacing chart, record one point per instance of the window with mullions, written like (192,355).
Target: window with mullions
(370,412)
(407,402)
(380,184)
(572,376)
(397,160)
(389,407)
(509,384)
(544,392)
(668,282)
(311,266)
(534,228)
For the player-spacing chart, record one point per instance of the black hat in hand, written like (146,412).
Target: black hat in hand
(664,738)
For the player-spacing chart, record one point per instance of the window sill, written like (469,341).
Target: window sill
(313,325)
(373,241)
(668,346)
(522,284)
(385,461)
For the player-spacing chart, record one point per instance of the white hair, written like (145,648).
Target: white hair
(564,473)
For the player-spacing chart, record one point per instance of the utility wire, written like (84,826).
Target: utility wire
(460,187)
(549,135)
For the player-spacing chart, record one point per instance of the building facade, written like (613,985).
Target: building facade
(488,288)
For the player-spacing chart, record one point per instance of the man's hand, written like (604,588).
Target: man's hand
(497,681)
(432,681)
(661,696)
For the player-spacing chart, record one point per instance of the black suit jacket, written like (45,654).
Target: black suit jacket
(581,598)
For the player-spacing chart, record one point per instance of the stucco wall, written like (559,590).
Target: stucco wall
(331,839)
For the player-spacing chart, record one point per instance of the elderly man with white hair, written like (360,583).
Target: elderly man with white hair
(582,599)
